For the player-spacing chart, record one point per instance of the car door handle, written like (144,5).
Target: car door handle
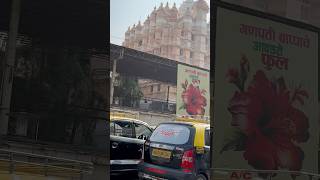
(115,145)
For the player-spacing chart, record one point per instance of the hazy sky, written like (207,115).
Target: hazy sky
(124,13)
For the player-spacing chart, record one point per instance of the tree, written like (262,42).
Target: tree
(54,81)
(128,91)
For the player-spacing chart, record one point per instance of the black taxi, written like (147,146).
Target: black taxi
(127,136)
(177,150)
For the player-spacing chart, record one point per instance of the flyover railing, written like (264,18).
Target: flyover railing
(21,162)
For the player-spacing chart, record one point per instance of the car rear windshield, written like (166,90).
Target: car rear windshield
(171,134)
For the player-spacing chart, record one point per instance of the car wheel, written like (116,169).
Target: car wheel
(201,177)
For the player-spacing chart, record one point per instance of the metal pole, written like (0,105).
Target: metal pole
(108,88)
(270,176)
(168,93)
(113,78)
(37,129)
(114,69)
(9,66)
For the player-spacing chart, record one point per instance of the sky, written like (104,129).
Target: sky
(125,13)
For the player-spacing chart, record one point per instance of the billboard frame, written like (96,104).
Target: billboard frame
(203,117)
(215,4)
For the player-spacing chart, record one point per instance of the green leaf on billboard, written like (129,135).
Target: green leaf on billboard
(235,142)
(182,107)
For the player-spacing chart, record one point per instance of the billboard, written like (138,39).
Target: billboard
(193,95)
(266,95)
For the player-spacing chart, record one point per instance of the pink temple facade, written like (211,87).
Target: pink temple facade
(180,34)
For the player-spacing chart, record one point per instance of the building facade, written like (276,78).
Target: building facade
(158,91)
(158,95)
(179,34)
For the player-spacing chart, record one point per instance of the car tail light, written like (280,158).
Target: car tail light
(187,163)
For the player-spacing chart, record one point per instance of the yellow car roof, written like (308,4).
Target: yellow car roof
(200,133)
(120,117)
(124,114)
(192,120)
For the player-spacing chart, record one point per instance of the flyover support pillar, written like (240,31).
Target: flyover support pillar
(9,67)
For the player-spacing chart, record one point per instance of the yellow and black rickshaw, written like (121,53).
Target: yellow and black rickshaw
(178,150)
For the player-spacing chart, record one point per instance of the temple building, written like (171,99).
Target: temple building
(179,34)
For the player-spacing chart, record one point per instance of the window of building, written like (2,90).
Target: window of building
(140,43)
(151,89)
(191,55)
(192,37)
(156,51)
(159,87)
(181,52)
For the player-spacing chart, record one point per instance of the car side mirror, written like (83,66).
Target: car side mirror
(143,137)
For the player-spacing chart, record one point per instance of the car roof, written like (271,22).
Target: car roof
(119,118)
(195,124)
(193,119)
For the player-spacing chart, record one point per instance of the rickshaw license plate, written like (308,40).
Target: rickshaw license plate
(161,153)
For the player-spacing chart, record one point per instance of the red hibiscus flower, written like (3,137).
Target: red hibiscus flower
(265,153)
(194,100)
(265,114)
